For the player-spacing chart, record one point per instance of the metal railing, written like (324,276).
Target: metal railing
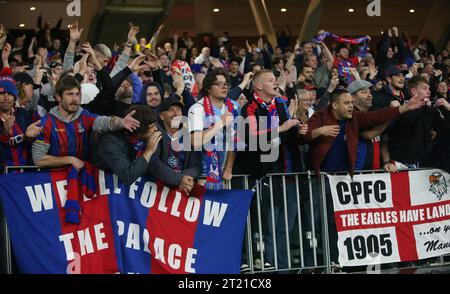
(307,244)
(287,224)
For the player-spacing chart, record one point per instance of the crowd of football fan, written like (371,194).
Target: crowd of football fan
(345,107)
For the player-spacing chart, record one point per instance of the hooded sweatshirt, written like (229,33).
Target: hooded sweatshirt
(144,94)
(64,137)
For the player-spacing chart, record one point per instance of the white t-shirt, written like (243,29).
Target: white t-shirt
(196,119)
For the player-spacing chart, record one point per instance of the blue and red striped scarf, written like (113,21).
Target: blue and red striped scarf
(214,170)
(273,122)
(351,41)
(345,65)
(79,184)
(273,119)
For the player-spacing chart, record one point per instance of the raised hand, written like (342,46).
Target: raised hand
(160,28)
(134,30)
(82,65)
(75,32)
(215,62)
(249,48)
(152,60)
(354,72)
(34,130)
(153,141)
(178,81)
(6,52)
(293,106)
(88,48)
(395,31)
(129,123)
(92,57)
(43,54)
(333,84)
(135,65)
(247,78)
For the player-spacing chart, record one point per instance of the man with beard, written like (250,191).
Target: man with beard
(124,97)
(181,165)
(395,78)
(307,75)
(65,138)
(407,140)
(368,153)
(321,71)
(152,94)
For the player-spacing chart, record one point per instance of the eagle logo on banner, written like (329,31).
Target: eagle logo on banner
(438,185)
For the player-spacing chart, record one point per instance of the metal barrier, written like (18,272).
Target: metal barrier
(287,224)
(306,247)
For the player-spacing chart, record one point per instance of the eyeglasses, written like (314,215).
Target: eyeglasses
(222,85)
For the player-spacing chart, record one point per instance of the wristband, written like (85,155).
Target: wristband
(13,141)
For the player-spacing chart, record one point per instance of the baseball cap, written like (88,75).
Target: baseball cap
(25,78)
(394,70)
(358,85)
(172,100)
(54,64)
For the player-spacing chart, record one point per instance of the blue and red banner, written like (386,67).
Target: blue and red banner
(142,228)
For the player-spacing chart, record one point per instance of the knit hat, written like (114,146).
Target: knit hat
(7,83)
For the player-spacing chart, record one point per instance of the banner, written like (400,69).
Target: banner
(188,76)
(396,217)
(141,228)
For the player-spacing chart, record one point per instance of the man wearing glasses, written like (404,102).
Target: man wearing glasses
(208,120)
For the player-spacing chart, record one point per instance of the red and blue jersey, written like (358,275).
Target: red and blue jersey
(16,151)
(68,139)
(344,65)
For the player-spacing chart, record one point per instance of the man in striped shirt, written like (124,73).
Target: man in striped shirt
(67,128)
(17,130)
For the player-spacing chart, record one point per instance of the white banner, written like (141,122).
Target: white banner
(384,218)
